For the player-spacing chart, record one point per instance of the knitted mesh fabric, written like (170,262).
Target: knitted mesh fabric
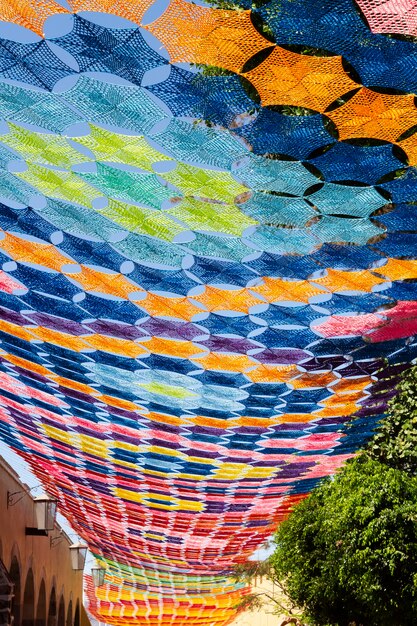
(336,26)
(223,38)
(129,186)
(409,145)
(283,240)
(6,156)
(278,210)
(119,148)
(355,201)
(365,164)
(32,63)
(200,144)
(11,188)
(226,282)
(292,135)
(404,187)
(300,80)
(42,147)
(129,9)
(391,16)
(75,220)
(29,13)
(141,220)
(375,115)
(217,99)
(288,177)
(343,230)
(207,245)
(220,218)
(123,52)
(56,184)
(149,250)
(42,109)
(124,106)
(194,181)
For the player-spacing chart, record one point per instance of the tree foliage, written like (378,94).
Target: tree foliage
(395,443)
(348,553)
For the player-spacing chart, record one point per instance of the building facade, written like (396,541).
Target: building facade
(38,586)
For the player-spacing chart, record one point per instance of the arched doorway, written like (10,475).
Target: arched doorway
(14,575)
(61,612)
(6,595)
(41,607)
(28,608)
(52,608)
(77,614)
(69,614)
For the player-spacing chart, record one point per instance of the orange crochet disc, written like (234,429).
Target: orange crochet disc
(409,146)
(216,37)
(375,115)
(29,13)
(132,10)
(300,80)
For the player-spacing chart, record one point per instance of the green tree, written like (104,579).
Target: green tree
(348,552)
(395,442)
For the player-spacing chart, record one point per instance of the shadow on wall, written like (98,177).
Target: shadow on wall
(38,585)
(26,611)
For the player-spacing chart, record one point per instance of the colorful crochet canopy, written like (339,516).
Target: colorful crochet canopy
(208,244)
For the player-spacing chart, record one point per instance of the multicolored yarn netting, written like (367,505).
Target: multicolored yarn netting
(208,241)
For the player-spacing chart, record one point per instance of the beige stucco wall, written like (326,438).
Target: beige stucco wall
(50,563)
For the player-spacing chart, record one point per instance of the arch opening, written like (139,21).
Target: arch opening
(6,595)
(61,612)
(69,614)
(28,607)
(41,606)
(14,575)
(77,620)
(52,613)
